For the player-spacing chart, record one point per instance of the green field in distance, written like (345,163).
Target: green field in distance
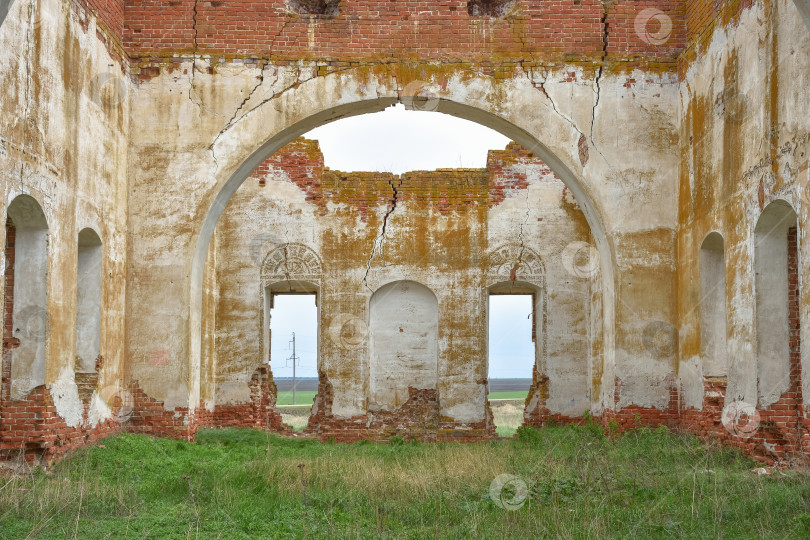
(302,397)
(519,394)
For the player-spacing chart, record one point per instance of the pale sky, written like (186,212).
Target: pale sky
(397,140)
(294,313)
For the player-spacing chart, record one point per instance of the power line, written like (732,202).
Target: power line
(294,359)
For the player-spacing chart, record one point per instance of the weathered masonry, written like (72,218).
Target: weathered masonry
(653,204)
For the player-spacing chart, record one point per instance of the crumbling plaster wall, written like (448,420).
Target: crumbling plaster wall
(64,123)
(744,142)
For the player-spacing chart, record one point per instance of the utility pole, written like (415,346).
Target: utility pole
(294,359)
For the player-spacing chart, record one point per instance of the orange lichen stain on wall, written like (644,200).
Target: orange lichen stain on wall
(773,95)
(644,285)
(704,18)
(734,110)
(688,295)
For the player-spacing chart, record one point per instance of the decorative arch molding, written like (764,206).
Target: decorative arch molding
(291,262)
(515,109)
(513,262)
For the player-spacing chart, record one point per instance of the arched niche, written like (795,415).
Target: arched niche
(88,300)
(26,293)
(403,343)
(772,286)
(713,344)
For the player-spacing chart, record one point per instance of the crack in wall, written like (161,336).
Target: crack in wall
(247,98)
(525,223)
(542,87)
(233,118)
(286,254)
(297,82)
(194,54)
(377,246)
(599,73)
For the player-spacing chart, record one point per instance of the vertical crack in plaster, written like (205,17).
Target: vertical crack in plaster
(541,86)
(599,72)
(247,98)
(286,254)
(194,53)
(521,238)
(392,205)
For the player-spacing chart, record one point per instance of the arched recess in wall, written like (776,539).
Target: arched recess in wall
(713,344)
(473,113)
(88,301)
(26,295)
(403,334)
(776,277)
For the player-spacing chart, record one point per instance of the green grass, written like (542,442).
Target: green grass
(508,395)
(246,483)
(508,416)
(301,397)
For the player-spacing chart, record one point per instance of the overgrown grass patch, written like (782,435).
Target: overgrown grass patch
(244,483)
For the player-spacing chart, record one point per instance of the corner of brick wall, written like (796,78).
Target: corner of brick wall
(31,428)
(260,412)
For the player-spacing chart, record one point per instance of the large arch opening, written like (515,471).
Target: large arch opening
(356,319)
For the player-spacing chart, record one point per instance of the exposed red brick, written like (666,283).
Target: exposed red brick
(31,428)
(260,412)
(368,30)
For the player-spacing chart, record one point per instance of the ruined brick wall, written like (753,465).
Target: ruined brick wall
(446,30)
(458,231)
(110,15)
(63,142)
(743,146)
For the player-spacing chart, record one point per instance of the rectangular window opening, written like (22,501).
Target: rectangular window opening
(293,339)
(512,336)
